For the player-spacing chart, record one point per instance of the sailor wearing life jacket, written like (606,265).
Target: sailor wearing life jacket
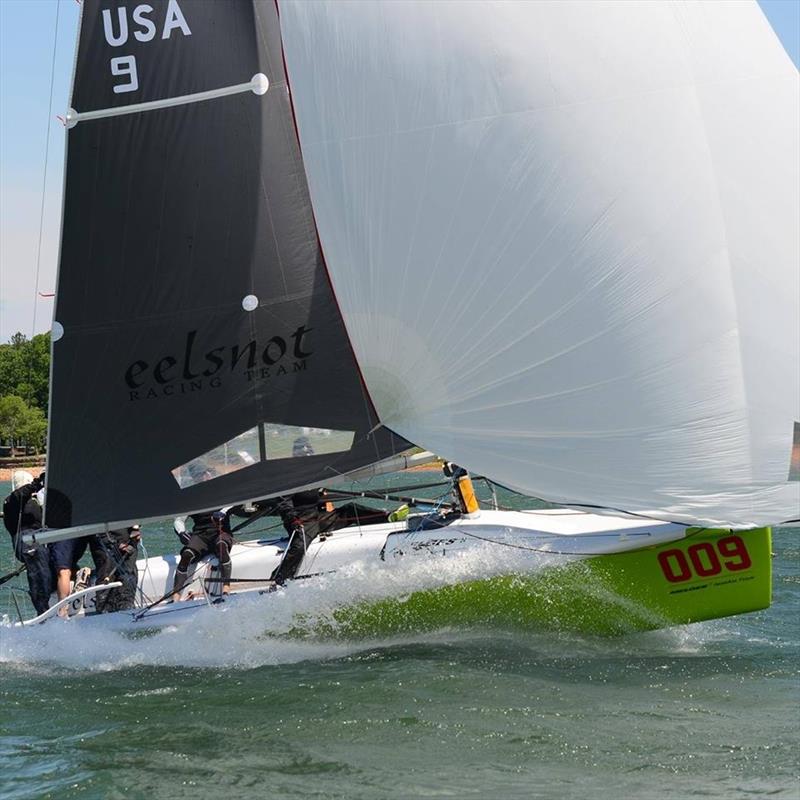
(22,513)
(117,562)
(210,534)
(308,514)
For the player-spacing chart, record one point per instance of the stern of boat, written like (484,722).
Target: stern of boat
(704,575)
(707,575)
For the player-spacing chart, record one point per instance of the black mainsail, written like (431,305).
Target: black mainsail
(199,355)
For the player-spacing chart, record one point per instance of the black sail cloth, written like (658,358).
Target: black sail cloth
(172,218)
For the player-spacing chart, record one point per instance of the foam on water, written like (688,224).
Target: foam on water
(250,632)
(254,630)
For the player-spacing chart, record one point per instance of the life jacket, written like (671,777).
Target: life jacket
(22,511)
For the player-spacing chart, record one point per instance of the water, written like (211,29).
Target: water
(230,708)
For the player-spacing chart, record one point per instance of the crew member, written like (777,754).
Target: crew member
(211,533)
(118,551)
(306,515)
(22,513)
(65,556)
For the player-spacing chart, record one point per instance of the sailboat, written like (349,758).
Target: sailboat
(553,243)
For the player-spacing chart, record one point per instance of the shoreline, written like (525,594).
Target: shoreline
(34,469)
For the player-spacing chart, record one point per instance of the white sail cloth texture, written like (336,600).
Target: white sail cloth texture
(564,240)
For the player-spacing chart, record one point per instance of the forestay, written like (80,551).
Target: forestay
(586,218)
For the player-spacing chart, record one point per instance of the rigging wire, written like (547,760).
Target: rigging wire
(140,583)
(543,550)
(44,183)
(543,536)
(13,574)
(567,508)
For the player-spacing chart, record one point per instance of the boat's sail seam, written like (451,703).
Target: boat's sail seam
(258,84)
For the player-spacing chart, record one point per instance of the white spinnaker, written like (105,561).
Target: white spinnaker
(564,239)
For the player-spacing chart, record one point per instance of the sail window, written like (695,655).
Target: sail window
(289,441)
(238,453)
(250,302)
(275,442)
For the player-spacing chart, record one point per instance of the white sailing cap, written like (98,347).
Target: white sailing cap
(20,478)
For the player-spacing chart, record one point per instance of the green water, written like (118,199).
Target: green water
(228,709)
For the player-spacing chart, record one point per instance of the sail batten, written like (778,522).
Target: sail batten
(257,85)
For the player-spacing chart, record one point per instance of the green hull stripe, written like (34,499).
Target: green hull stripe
(709,574)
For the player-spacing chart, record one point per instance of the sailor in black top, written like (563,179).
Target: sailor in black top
(211,533)
(306,515)
(22,512)
(117,562)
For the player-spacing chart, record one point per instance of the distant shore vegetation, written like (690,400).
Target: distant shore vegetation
(24,383)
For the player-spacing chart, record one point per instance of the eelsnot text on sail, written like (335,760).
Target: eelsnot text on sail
(168,376)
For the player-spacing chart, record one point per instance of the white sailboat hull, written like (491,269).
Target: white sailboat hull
(657,573)
(557,536)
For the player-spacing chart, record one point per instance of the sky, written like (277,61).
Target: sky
(30,136)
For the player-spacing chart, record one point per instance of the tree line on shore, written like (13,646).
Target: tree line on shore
(24,382)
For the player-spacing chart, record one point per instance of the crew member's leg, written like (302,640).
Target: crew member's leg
(125,596)
(224,545)
(105,554)
(301,538)
(113,552)
(192,552)
(65,556)
(40,576)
